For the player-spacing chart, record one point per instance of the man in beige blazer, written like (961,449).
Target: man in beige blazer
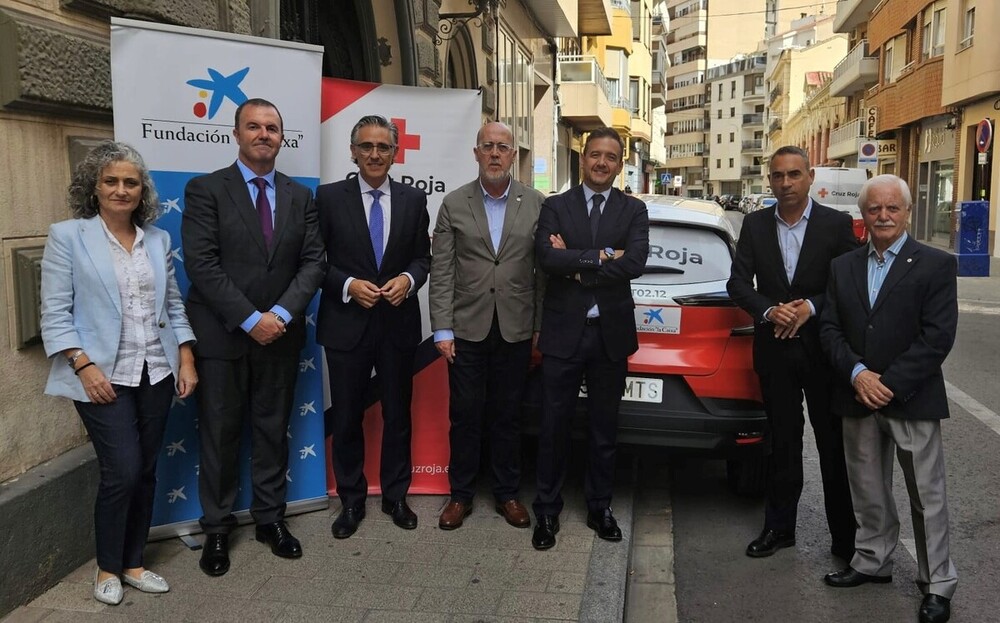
(485,304)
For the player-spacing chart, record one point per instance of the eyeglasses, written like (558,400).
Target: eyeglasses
(384,149)
(503,148)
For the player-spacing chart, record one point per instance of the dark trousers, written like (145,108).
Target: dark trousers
(127,435)
(783,386)
(487,384)
(259,386)
(560,388)
(350,377)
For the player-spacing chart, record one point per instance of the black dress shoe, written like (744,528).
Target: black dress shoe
(401,514)
(849,578)
(769,542)
(603,523)
(546,529)
(215,554)
(280,539)
(347,522)
(935,609)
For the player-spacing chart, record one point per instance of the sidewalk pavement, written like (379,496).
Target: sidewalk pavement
(484,571)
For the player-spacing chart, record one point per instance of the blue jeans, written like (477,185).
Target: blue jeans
(127,435)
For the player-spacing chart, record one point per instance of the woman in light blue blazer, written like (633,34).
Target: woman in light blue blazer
(113,323)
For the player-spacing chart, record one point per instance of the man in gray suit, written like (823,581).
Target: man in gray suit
(889,322)
(485,299)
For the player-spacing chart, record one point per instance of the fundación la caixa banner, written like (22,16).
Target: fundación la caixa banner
(437,133)
(175,94)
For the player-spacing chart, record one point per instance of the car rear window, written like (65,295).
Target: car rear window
(681,255)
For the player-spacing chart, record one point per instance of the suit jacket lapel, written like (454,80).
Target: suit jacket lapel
(239,194)
(810,243)
(95,241)
(477,207)
(396,223)
(771,242)
(283,197)
(903,264)
(355,214)
(859,274)
(578,214)
(511,208)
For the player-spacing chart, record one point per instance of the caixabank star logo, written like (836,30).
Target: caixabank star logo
(221,88)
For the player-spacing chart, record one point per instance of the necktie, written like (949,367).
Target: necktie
(375,226)
(595,215)
(264,210)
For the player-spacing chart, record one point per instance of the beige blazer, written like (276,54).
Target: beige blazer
(469,279)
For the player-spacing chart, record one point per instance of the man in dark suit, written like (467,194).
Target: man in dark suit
(592,241)
(788,249)
(254,256)
(485,300)
(889,322)
(378,255)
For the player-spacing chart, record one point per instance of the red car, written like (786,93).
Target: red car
(691,387)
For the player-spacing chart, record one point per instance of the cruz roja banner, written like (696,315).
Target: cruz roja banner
(437,133)
(175,94)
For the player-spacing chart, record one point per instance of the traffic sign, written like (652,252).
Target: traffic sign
(867,153)
(984,135)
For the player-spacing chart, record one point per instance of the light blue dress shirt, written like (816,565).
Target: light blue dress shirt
(790,239)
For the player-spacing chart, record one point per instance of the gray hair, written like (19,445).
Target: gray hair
(378,121)
(886,179)
(83,187)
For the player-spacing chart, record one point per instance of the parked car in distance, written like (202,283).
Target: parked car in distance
(691,387)
(732,202)
(763,201)
(747,203)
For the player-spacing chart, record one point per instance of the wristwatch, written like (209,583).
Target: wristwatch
(610,253)
(71,360)
(279,318)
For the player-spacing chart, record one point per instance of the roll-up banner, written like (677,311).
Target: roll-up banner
(175,94)
(437,133)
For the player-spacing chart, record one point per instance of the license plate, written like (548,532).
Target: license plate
(637,389)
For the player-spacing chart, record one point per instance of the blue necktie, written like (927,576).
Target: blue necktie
(375,227)
(264,210)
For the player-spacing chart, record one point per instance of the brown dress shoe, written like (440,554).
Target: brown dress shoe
(515,513)
(453,514)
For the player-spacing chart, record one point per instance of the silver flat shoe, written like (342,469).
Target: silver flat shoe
(109,591)
(148,582)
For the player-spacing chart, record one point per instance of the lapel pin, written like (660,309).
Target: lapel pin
(909,259)
(518,198)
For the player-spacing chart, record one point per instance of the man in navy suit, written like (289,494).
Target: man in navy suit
(378,256)
(889,322)
(779,277)
(255,258)
(592,241)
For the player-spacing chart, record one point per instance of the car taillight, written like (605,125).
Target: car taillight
(744,439)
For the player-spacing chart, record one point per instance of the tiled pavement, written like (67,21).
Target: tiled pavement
(485,571)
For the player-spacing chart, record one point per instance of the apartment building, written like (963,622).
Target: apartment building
(893,80)
(736,137)
(811,125)
(658,92)
(970,89)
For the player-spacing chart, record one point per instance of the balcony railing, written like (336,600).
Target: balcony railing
(621,102)
(755,144)
(747,171)
(775,93)
(757,92)
(575,68)
(775,124)
(624,5)
(753,119)
(854,71)
(850,131)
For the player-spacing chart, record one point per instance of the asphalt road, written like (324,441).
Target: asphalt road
(716,582)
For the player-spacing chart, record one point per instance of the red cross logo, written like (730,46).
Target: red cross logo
(406,141)
(823,192)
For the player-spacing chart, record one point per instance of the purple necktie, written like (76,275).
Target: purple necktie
(264,210)
(375,226)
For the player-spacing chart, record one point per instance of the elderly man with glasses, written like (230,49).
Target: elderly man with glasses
(378,255)
(485,307)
